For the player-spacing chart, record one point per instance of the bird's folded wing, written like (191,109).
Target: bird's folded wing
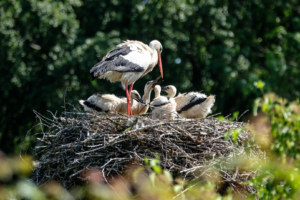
(110,97)
(92,106)
(161,104)
(160,101)
(192,104)
(122,59)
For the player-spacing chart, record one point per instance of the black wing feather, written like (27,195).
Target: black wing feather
(162,104)
(186,93)
(118,51)
(114,62)
(92,106)
(191,104)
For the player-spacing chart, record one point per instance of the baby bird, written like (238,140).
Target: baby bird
(191,105)
(162,107)
(110,103)
(141,108)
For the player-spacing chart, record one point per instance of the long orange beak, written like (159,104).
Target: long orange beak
(160,66)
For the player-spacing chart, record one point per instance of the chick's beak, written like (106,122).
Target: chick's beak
(141,101)
(156,81)
(160,66)
(163,88)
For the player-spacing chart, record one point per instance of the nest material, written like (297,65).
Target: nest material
(187,148)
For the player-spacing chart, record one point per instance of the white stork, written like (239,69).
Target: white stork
(162,107)
(191,104)
(128,62)
(109,103)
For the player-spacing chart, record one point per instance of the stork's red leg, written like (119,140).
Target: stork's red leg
(128,100)
(130,111)
(130,89)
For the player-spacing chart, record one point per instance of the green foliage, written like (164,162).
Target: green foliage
(277,181)
(285,125)
(280,177)
(156,185)
(220,47)
(234,134)
(260,85)
(234,116)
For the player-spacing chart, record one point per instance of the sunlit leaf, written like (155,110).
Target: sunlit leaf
(157,169)
(168,175)
(152,178)
(259,84)
(255,106)
(26,189)
(146,161)
(177,188)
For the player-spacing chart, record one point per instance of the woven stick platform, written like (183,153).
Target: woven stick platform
(191,149)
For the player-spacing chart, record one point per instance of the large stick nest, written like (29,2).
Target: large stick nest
(191,149)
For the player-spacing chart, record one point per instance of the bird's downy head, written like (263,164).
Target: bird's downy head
(157,90)
(156,45)
(136,96)
(170,90)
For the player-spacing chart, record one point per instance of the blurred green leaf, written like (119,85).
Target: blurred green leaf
(177,188)
(28,190)
(146,161)
(157,169)
(154,162)
(168,175)
(152,178)
(255,106)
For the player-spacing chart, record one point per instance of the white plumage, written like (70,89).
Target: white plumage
(191,104)
(162,107)
(139,56)
(141,108)
(109,103)
(127,63)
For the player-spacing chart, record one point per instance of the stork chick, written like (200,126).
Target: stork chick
(162,107)
(110,103)
(141,108)
(191,104)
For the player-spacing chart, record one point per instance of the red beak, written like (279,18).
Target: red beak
(160,66)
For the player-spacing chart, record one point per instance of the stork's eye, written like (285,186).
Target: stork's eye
(160,49)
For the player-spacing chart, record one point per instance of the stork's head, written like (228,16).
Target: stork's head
(170,90)
(156,45)
(136,96)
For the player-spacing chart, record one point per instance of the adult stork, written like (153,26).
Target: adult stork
(128,62)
